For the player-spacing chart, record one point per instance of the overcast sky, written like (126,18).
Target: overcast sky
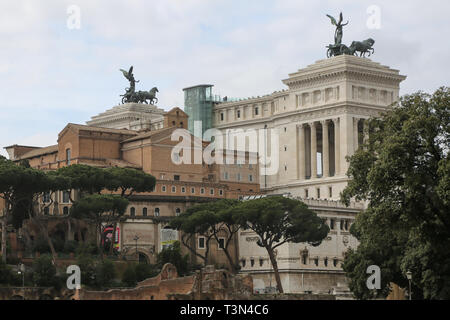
(51,74)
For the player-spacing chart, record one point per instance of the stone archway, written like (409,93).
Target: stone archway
(143,257)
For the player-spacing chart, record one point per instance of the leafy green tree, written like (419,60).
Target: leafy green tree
(172,254)
(44,271)
(278,220)
(84,178)
(21,187)
(99,208)
(128,181)
(403,173)
(197,220)
(212,219)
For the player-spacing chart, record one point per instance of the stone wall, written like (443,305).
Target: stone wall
(207,284)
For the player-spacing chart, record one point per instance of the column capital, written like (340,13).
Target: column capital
(335,120)
(312,124)
(324,122)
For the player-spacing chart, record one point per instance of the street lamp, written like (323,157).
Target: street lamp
(136,238)
(21,271)
(409,277)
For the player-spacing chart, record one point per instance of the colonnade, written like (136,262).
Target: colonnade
(326,137)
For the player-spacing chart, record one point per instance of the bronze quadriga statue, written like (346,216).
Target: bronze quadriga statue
(338,48)
(140,96)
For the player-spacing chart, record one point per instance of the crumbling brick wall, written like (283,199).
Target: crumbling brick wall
(207,283)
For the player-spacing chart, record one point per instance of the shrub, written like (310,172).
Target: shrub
(105,273)
(129,276)
(44,271)
(87,249)
(145,271)
(173,255)
(5,273)
(70,246)
(87,267)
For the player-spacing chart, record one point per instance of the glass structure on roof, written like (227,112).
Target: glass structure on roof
(198,104)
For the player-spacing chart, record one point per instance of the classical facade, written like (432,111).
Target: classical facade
(311,127)
(319,120)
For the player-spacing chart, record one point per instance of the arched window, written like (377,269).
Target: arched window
(177,212)
(144,212)
(304,254)
(132,212)
(156,212)
(66,211)
(335,262)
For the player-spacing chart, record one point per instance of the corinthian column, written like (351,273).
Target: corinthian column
(325,150)
(355,133)
(313,150)
(301,152)
(337,142)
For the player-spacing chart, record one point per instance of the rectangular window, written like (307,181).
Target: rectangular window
(318,193)
(250,178)
(176,177)
(220,192)
(256,111)
(46,197)
(238,177)
(66,197)
(163,188)
(221,117)
(342,224)
(192,190)
(225,175)
(202,190)
(332,224)
(331,192)
(238,113)
(174,189)
(201,242)
(211,192)
(306,193)
(183,190)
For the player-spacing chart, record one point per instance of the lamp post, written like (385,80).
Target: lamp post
(21,271)
(136,238)
(409,277)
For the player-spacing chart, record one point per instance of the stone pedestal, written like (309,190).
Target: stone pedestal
(132,116)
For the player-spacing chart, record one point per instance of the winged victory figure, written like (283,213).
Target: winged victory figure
(338,33)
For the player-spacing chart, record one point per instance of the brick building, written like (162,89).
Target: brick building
(142,233)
